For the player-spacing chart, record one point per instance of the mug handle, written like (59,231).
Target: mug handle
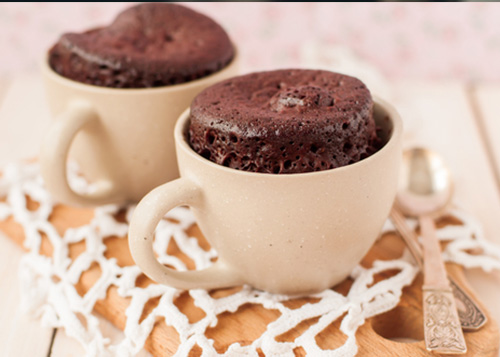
(146,217)
(54,155)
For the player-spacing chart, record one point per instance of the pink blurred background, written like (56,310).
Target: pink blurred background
(403,40)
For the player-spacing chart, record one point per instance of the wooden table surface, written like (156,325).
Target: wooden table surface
(459,121)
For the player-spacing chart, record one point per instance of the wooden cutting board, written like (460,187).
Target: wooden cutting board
(398,332)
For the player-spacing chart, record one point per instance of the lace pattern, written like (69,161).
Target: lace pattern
(48,283)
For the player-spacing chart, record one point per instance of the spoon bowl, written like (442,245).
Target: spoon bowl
(425,185)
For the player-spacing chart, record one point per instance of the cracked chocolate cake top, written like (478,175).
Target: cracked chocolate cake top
(284,121)
(148,45)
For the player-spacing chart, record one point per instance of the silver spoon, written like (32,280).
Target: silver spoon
(470,314)
(425,191)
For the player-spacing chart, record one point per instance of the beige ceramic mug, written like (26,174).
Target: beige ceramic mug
(290,233)
(122,139)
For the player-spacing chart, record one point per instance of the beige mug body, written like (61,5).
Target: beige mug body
(290,233)
(122,139)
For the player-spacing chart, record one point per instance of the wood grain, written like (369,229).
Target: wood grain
(66,346)
(24,119)
(440,116)
(442,119)
(377,337)
(485,100)
(16,325)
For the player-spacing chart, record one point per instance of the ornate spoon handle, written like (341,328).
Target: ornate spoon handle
(471,316)
(442,329)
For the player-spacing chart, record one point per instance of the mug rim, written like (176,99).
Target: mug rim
(53,75)
(397,132)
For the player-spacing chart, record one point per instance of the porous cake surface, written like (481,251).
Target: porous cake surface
(284,121)
(148,45)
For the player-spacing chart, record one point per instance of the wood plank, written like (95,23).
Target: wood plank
(15,117)
(444,126)
(16,327)
(24,118)
(440,116)
(486,97)
(376,337)
(65,346)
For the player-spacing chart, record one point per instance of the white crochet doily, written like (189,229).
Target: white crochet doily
(48,282)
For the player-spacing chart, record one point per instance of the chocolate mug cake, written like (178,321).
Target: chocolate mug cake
(284,121)
(287,234)
(148,45)
(122,138)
